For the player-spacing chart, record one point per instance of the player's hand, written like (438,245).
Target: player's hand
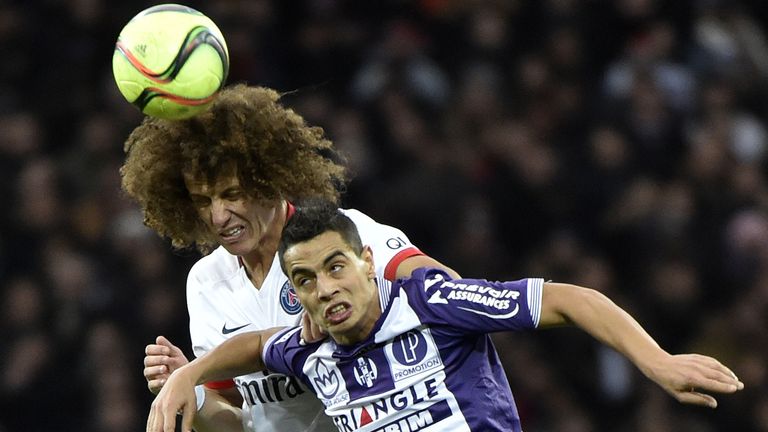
(311,332)
(690,378)
(176,397)
(160,360)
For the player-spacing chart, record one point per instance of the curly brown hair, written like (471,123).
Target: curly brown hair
(276,155)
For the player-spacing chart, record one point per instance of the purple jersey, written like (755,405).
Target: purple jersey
(428,364)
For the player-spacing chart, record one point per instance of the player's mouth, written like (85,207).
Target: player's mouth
(338,313)
(232,234)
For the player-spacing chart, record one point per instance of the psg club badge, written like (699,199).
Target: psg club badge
(289,300)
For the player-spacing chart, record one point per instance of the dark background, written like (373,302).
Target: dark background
(619,145)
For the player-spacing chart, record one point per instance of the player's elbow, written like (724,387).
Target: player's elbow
(562,303)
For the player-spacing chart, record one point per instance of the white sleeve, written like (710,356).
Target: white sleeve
(202,331)
(204,322)
(390,246)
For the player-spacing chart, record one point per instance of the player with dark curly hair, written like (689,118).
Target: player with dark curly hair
(223,182)
(274,154)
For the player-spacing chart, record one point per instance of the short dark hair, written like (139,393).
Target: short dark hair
(314,217)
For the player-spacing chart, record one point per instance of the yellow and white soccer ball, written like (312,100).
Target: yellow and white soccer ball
(170,61)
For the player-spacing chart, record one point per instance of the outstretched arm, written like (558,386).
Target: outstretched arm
(689,378)
(238,355)
(221,411)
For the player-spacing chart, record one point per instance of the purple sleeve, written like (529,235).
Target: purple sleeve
(474,305)
(283,352)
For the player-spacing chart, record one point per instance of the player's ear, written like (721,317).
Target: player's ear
(367,256)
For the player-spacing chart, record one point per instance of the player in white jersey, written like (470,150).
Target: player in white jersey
(223,181)
(421,361)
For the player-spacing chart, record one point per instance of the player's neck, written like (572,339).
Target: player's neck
(258,262)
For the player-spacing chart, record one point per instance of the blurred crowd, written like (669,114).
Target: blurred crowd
(621,145)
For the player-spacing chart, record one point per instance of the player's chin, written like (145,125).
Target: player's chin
(337,326)
(232,249)
(239,247)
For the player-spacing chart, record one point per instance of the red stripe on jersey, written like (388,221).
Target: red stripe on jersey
(289,211)
(218,385)
(390,272)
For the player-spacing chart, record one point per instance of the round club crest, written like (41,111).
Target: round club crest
(289,300)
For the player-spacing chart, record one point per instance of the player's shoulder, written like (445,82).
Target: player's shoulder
(369,227)
(289,336)
(422,275)
(217,266)
(420,283)
(357,216)
(288,345)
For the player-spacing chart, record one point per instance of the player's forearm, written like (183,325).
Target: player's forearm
(600,317)
(239,355)
(218,415)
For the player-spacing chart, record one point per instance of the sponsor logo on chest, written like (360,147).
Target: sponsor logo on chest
(412,354)
(399,379)
(408,410)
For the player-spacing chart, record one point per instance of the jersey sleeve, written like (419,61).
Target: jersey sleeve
(285,353)
(390,245)
(469,306)
(199,328)
(203,331)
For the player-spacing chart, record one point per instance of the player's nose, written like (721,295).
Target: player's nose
(326,286)
(220,213)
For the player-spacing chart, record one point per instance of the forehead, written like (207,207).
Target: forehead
(313,252)
(223,181)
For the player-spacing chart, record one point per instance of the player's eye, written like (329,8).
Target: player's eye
(302,282)
(233,194)
(337,267)
(200,202)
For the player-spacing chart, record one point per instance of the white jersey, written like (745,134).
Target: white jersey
(223,302)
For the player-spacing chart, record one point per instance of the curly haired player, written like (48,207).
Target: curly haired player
(224,182)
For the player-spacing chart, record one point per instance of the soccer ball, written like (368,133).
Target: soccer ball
(170,61)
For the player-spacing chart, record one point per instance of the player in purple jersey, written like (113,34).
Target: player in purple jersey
(223,182)
(424,362)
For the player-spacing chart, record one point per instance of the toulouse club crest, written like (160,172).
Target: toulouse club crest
(289,300)
(365,372)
